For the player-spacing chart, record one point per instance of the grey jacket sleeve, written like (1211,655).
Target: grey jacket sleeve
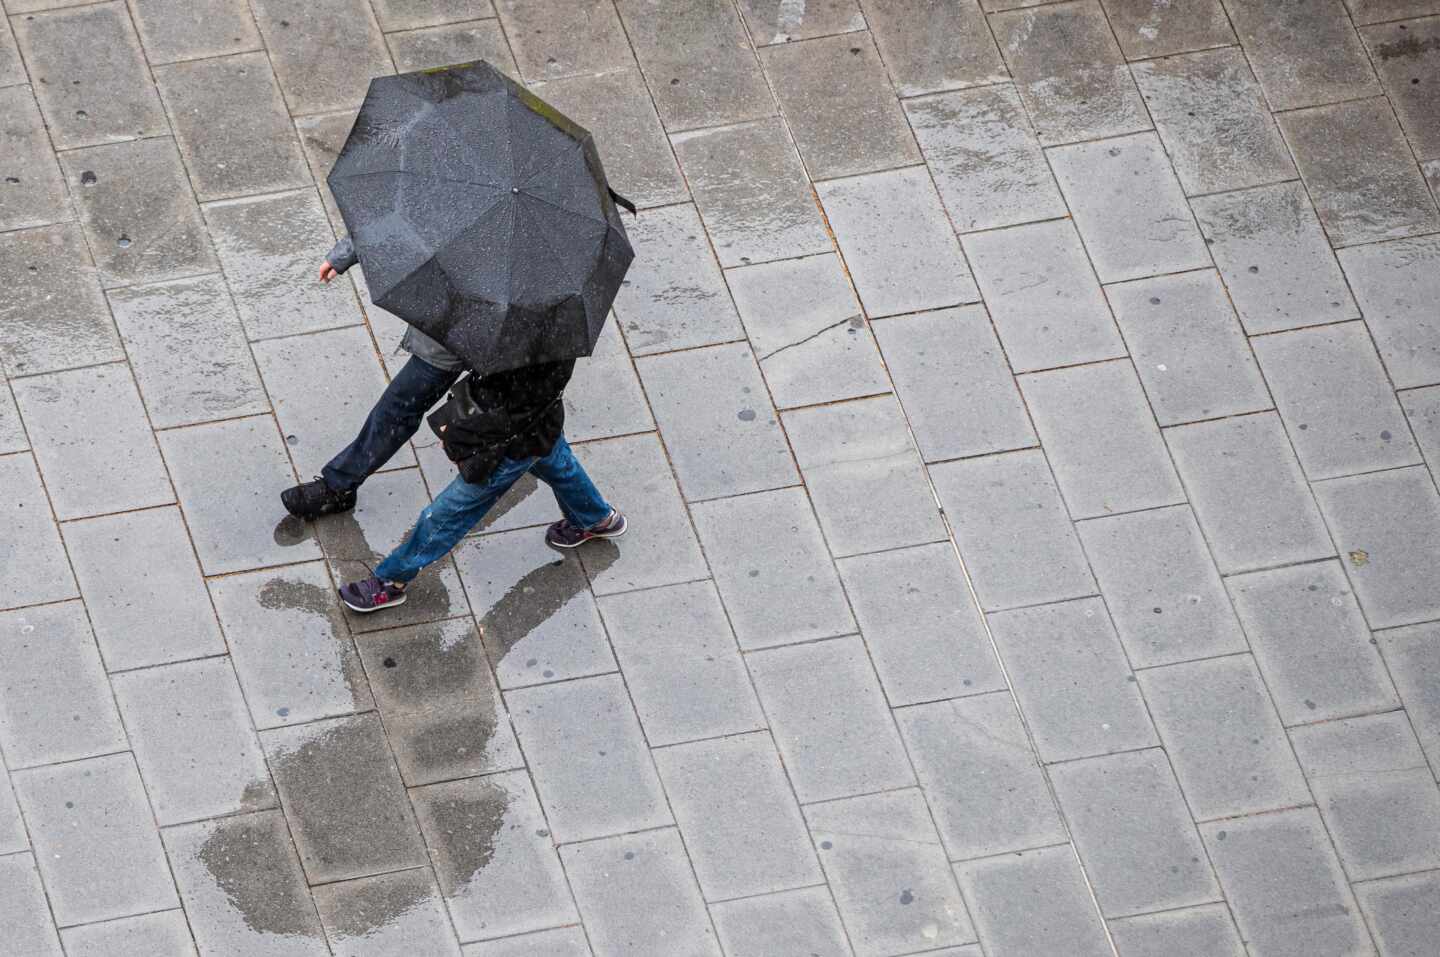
(342,255)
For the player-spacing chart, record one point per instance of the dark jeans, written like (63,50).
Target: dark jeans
(395,418)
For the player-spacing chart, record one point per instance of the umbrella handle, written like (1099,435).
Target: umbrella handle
(622,202)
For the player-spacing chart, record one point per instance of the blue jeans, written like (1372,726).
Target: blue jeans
(461,506)
(390,424)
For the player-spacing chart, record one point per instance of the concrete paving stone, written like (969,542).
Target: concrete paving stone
(780,587)
(190,730)
(343,798)
(1375,791)
(13,838)
(92,465)
(676,297)
(1432,174)
(948,368)
(1307,371)
(441,709)
(899,247)
(1101,439)
(12,433)
(774,21)
(172,30)
(243,888)
(321,137)
(33,565)
(89,75)
(924,633)
(1422,409)
(1311,642)
(12,69)
(1375,11)
(345,29)
(1413,657)
(409,14)
(1161,587)
(1138,224)
(840,105)
(1072,680)
(588,756)
(554,38)
(1403,912)
(604,398)
(681,663)
(1388,526)
(34,191)
(858,462)
(752,192)
(561,942)
(985,158)
(807,330)
(1014,535)
(245,525)
(188,350)
(930,47)
(165,934)
(1248,492)
(1273,255)
(1206,931)
(436,46)
(699,63)
(389,915)
(23,909)
(1303,53)
(271,249)
(496,861)
(638,897)
(1042,295)
(319,675)
(1188,349)
(1405,55)
(1033,902)
(1133,831)
(888,872)
(799,923)
(1360,172)
(1394,282)
(829,719)
(1212,118)
(1284,885)
(32,6)
(139,213)
(95,840)
(743,830)
(537,617)
(616,108)
(53,315)
(1070,72)
(979,775)
(55,706)
(720,430)
(1147,29)
(231,124)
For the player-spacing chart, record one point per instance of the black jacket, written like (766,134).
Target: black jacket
(514,414)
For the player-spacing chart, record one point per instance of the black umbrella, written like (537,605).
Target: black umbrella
(481,216)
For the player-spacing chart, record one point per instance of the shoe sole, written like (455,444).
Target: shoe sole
(593,536)
(365,611)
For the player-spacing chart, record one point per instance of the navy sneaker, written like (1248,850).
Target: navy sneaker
(372,594)
(314,499)
(566,534)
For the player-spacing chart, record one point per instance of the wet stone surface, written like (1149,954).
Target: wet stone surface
(34,191)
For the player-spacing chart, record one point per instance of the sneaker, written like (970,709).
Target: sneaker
(372,594)
(566,534)
(314,499)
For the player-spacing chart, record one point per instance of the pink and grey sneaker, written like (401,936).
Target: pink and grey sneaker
(372,594)
(566,534)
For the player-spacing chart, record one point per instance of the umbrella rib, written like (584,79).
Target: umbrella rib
(556,257)
(562,155)
(429,176)
(567,212)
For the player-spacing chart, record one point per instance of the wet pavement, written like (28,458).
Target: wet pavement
(1026,413)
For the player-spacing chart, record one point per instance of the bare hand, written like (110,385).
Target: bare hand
(327,271)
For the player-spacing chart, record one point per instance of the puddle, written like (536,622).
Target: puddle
(466,823)
(250,862)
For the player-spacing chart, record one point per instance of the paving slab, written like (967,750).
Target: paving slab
(980,776)
(931,47)
(53,315)
(743,830)
(464,42)
(1403,912)
(807,330)
(1413,657)
(1374,11)
(389,915)
(1388,527)
(1393,282)
(13,838)
(321,137)
(1042,294)
(604,397)
(1405,55)
(12,70)
(949,368)
(1360,172)
(12,432)
(898,244)
(494,856)
(28,923)
(1205,931)
(1147,29)
(858,460)
(800,922)
(564,38)
(33,565)
(410,14)
(773,21)
(1014,534)
(1284,885)
(95,840)
(172,30)
(780,587)
(34,191)
(561,942)
(1303,53)
(829,719)
(888,872)
(165,934)
(1422,410)
(1034,902)
(345,29)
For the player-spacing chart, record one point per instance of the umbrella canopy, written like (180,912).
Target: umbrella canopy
(481,216)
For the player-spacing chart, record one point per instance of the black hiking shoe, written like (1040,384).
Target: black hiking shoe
(314,499)
(372,594)
(565,534)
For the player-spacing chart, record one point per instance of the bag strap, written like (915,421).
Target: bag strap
(622,202)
